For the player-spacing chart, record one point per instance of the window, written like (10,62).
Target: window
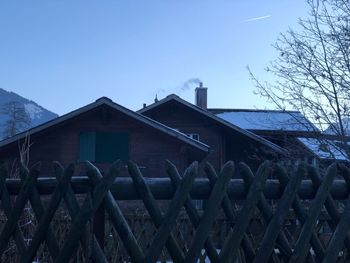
(104,147)
(194,136)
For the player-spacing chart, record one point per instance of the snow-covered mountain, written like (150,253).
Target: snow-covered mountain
(37,114)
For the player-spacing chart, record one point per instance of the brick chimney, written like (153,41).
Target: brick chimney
(201,96)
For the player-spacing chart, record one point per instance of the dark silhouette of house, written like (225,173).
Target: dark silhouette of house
(284,136)
(290,130)
(171,128)
(287,129)
(102,132)
(227,141)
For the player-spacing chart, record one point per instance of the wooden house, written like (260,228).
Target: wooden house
(102,132)
(227,141)
(284,128)
(171,128)
(290,130)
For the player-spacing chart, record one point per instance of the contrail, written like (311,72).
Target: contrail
(255,18)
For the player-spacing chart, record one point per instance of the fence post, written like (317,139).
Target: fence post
(99,225)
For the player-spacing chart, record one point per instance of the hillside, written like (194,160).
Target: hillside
(37,114)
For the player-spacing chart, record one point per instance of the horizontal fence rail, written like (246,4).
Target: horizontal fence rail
(163,189)
(302,216)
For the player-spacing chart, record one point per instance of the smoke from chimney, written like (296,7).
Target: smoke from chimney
(189,84)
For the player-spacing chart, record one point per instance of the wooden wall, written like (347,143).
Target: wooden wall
(148,147)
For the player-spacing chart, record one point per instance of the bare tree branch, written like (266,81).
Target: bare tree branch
(313,69)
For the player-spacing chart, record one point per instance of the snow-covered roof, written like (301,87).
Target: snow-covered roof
(267,120)
(324,148)
(334,128)
(212,116)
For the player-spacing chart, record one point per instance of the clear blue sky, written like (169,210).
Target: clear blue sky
(65,54)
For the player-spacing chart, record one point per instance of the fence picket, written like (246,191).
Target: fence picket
(45,220)
(301,215)
(174,208)
(229,250)
(330,204)
(38,209)
(216,196)
(302,246)
(276,223)
(192,213)
(73,209)
(24,193)
(6,205)
(339,235)
(267,214)
(118,220)
(86,212)
(154,210)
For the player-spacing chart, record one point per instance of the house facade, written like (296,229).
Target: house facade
(248,135)
(171,128)
(291,131)
(284,128)
(227,141)
(101,133)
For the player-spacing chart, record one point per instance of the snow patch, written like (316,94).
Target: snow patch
(34,111)
(268,120)
(325,149)
(334,128)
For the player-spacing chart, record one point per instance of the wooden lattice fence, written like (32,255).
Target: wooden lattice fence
(302,216)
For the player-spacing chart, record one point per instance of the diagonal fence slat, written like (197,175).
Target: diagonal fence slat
(192,213)
(22,198)
(153,209)
(38,209)
(118,220)
(228,210)
(229,250)
(276,223)
(6,205)
(302,246)
(216,196)
(267,213)
(330,204)
(341,233)
(86,212)
(174,208)
(45,220)
(301,215)
(73,209)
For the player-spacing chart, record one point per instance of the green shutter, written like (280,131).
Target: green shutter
(87,146)
(111,147)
